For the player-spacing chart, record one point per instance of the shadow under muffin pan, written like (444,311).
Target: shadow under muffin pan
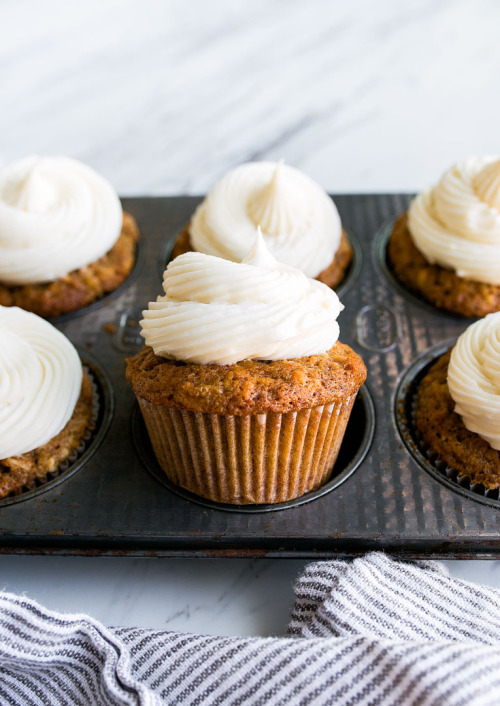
(405,408)
(92,439)
(381,257)
(140,256)
(350,277)
(354,448)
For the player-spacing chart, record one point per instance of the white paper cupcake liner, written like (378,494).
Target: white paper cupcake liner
(440,466)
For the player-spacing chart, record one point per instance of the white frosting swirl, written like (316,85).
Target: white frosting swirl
(456,224)
(474,378)
(56,215)
(217,311)
(40,381)
(299,221)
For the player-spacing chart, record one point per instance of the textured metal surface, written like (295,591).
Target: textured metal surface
(113,505)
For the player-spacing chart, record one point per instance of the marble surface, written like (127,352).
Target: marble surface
(162,97)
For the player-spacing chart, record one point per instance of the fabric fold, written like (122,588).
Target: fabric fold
(369,631)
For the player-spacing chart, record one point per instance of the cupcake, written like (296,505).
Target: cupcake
(299,221)
(46,400)
(458,404)
(447,247)
(243,386)
(64,240)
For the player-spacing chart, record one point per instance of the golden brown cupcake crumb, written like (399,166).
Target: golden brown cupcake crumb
(250,386)
(80,287)
(443,430)
(332,275)
(438,285)
(19,473)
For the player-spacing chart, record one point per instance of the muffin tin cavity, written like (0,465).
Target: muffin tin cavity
(382,261)
(91,440)
(404,409)
(350,277)
(355,446)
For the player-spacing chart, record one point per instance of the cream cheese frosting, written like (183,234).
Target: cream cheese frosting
(40,381)
(456,224)
(56,215)
(299,221)
(474,378)
(217,311)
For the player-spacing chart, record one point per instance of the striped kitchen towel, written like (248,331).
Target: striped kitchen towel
(368,631)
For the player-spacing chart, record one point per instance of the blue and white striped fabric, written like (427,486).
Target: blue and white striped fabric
(368,631)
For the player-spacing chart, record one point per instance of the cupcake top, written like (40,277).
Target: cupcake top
(474,378)
(456,224)
(40,381)
(217,311)
(56,215)
(299,221)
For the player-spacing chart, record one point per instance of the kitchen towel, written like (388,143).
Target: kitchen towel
(368,631)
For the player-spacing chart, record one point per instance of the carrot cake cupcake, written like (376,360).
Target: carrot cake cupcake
(64,240)
(46,400)
(446,248)
(299,221)
(458,404)
(243,385)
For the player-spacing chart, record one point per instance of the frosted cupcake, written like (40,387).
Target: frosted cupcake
(243,385)
(46,400)
(447,247)
(64,240)
(299,221)
(458,407)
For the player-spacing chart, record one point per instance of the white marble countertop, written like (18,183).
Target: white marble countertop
(162,97)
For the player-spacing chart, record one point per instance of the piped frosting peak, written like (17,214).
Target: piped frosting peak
(299,221)
(217,311)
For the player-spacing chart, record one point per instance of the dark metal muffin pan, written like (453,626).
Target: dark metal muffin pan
(115,505)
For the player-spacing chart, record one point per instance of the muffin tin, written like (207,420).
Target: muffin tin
(382,495)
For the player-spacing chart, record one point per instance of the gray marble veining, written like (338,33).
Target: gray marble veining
(164,96)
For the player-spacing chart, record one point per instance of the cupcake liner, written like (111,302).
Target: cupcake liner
(437,464)
(76,453)
(251,459)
